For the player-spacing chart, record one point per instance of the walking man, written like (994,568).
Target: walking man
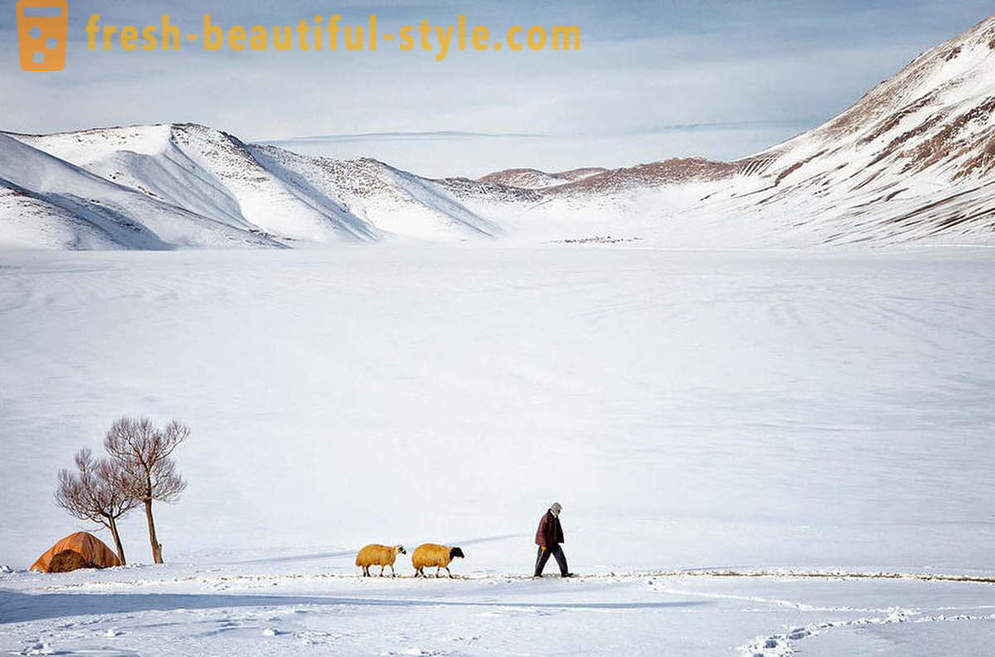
(548,538)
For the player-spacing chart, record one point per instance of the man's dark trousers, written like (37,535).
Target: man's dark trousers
(543,557)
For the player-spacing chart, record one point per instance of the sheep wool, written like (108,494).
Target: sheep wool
(433,555)
(378,555)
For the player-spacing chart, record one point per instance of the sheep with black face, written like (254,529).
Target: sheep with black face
(433,555)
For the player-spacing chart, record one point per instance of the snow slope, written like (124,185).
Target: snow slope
(394,201)
(203,171)
(914,159)
(30,222)
(261,190)
(817,409)
(118,213)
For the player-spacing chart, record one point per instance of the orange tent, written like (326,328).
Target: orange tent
(79,550)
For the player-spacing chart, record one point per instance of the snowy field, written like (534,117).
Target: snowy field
(181,611)
(737,411)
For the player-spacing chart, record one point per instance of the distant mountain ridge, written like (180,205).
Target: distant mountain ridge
(911,161)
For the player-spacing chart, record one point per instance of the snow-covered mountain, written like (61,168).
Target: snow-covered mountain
(189,185)
(50,202)
(914,159)
(374,194)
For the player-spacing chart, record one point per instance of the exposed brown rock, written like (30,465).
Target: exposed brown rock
(672,171)
(525,178)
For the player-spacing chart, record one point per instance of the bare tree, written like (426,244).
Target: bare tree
(143,451)
(96,492)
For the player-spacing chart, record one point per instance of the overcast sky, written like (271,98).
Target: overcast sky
(653,79)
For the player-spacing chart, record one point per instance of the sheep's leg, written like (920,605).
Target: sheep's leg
(438,570)
(450,574)
(393,573)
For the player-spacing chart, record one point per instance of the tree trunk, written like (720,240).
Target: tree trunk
(156,547)
(112,525)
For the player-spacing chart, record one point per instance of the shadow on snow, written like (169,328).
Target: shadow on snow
(17,607)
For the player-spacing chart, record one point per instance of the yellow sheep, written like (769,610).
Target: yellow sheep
(378,555)
(432,554)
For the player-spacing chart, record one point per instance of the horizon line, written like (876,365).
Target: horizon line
(460,134)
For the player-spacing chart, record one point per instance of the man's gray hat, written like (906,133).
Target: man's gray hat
(556,508)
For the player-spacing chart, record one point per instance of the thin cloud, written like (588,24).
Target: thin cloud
(402,136)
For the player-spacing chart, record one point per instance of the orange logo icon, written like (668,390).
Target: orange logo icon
(41,33)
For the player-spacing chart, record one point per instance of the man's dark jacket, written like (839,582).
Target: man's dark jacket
(550,533)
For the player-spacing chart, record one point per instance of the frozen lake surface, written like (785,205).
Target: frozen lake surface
(732,410)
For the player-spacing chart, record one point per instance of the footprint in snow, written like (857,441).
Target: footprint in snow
(39,648)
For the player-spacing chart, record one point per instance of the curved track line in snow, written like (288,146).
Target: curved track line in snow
(781,645)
